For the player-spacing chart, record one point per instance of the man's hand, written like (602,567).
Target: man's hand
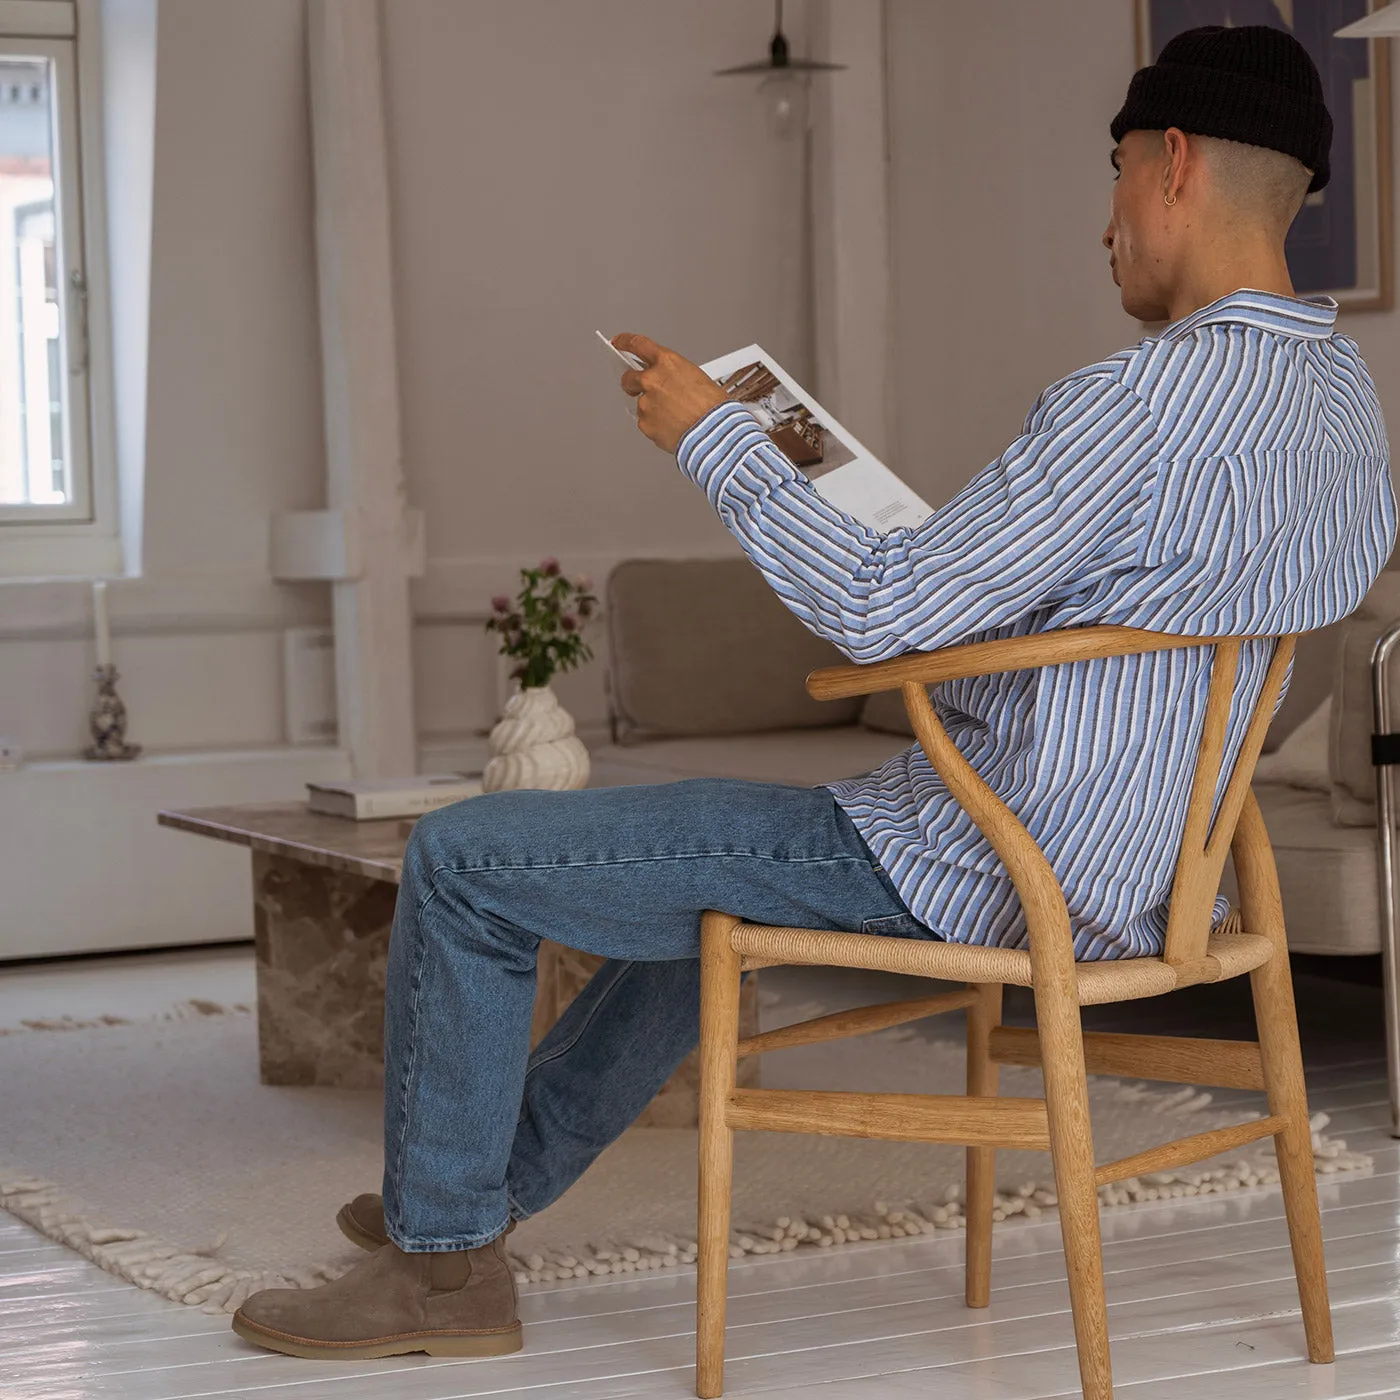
(672,394)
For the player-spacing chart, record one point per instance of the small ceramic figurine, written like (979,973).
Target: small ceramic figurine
(107,721)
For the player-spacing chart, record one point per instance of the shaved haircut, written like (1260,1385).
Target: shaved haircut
(1260,183)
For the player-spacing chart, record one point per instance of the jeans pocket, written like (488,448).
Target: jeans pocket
(897,926)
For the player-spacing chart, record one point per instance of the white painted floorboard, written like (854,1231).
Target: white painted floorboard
(1202,1307)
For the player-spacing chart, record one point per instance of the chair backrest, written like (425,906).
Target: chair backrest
(1205,844)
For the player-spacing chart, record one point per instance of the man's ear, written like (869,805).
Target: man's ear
(1179,155)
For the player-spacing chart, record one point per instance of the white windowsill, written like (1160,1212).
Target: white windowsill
(44,553)
(190,758)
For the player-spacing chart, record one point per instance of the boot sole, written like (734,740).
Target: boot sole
(351,1229)
(497,1342)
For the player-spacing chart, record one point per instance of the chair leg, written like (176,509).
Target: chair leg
(1277,1019)
(719,1040)
(982,1073)
(1072,1148)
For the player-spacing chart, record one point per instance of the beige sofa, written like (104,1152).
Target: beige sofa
(705,677)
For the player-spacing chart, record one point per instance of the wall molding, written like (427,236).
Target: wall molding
(452,590)
(360,366)
(173,604)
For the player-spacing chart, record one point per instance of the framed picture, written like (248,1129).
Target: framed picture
(1340,244)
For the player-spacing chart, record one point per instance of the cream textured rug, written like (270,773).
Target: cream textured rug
(152,1149)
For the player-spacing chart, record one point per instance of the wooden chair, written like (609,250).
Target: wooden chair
(1252,942)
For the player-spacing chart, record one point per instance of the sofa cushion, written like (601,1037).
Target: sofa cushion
(1301,760)
(800,757)
(1326,873)
(1353,777)
(886,714)
(1314,662)
(705,647)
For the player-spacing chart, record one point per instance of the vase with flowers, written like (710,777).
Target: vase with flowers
(541,629)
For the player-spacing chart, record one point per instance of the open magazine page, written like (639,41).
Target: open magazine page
(840,469)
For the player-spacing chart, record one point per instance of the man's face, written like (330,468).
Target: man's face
(1137,236)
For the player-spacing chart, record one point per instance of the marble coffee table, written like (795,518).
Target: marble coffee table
(323,903)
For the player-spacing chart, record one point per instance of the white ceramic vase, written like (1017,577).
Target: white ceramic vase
(534,745)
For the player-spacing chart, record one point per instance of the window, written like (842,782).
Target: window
(52,482)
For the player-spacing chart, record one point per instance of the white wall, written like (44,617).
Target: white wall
(1000,192)
(1000,188)
(556,167)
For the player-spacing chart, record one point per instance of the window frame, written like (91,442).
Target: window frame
(82,538)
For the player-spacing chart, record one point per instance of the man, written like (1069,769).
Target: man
(1229,475)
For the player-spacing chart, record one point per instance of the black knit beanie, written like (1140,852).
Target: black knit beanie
(1253,84)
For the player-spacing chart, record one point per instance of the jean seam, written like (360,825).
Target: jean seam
(406,1088)
(588,1021)
(646,860)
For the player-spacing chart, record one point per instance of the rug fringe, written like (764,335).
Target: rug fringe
(199,1278)
(141,1258)
(908,1219)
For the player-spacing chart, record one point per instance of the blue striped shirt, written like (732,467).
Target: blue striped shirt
(1227,476)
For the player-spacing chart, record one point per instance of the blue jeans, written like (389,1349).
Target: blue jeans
(477,1129)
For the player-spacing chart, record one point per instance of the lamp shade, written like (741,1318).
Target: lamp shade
(1379,25)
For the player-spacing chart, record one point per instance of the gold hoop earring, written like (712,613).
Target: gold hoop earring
(1168,199)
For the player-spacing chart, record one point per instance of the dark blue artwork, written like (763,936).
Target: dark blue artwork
(1322,245)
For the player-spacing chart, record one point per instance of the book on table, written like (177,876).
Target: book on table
(842,470)
(375,799)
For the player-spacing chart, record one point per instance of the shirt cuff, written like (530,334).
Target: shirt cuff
(715,448)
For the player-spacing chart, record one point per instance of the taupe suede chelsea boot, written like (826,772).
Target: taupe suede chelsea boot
(457,1304)
(361,1221)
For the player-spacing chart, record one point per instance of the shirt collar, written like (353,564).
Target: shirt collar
(1313,318)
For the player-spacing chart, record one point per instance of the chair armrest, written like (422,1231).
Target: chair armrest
(988,658)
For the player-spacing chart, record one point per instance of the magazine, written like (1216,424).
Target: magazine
(840,469)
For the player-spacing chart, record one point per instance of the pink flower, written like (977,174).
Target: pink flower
(501,603)
(549,568)
(569,623)
(583,583)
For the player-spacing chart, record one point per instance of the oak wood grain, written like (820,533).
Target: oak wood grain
(860,1020)
(1182,1151)
(1222,1064)
(894,1117)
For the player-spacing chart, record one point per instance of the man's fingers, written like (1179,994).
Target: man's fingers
(641,345)
(632,382)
